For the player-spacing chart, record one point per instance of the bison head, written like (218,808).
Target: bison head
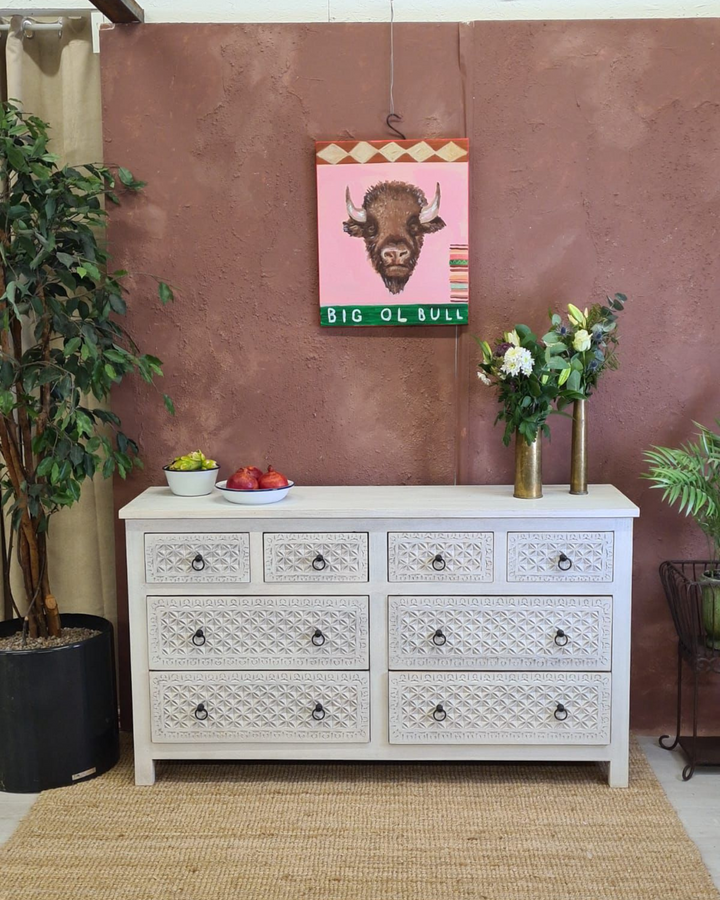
(393,222)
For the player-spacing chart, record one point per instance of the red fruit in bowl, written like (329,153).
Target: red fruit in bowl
(273,479)
(242,480)
(254,471)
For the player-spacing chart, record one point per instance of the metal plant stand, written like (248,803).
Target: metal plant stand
(694,611)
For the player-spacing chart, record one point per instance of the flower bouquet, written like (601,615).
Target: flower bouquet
(579,350)
(527,387)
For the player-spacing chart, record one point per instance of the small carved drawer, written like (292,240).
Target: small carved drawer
(258,632)
(316,557)
(303,707)
(560,556)
(499,708)
(197,558)
(440,556)
(500,633)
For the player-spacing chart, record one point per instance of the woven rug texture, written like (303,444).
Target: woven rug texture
(355,832)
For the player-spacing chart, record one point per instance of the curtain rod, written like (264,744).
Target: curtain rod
(29,25)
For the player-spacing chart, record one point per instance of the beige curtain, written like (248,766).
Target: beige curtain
(58,79)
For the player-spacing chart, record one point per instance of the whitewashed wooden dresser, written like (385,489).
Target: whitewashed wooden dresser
(396,623)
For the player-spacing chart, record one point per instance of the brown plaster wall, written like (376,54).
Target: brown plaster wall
(595,148)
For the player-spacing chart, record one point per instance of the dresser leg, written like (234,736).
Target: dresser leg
(617,771)
(144,769)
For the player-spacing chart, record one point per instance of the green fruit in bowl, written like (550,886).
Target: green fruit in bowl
(192,462)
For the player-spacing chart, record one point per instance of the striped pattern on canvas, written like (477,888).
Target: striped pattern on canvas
(459,273)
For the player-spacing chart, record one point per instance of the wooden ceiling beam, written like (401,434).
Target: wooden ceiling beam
(122,12)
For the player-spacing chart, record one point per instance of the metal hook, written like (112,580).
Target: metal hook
(396,118)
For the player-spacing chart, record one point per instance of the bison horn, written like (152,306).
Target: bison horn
(356,213)
(429,212)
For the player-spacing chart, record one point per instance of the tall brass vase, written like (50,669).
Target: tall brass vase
(579,461)
(528,468)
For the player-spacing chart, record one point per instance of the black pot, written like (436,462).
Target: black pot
(58,710)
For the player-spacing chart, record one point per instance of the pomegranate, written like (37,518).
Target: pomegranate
(254,471)
(242,480)
(273,479)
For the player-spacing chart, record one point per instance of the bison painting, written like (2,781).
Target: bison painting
(393,221)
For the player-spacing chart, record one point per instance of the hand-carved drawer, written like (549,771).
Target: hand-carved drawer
(500,632)
(197,558)
(258,632)
(316,557)
(440,556)
(303,707)
(499,708)
(560,556)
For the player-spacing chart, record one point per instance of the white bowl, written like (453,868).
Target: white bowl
(253,498)
(191,484)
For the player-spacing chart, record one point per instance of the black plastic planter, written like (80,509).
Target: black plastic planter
(58,710)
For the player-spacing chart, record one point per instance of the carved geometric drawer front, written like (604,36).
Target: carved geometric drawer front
(560,556)
(196,558)
(500,632)
(258,632)
(260,706)
(316,557)
(440,556)
(499,708)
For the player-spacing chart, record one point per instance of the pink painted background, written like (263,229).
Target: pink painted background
(346,276)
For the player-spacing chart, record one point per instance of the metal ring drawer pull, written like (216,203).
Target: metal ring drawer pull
(318,638)
(439,638)
(564,563)
(439,713)
(561,638)
(199,638)
(318,713)
(198,563)
(200,712)
(319,563)
(560,713)
(438,562)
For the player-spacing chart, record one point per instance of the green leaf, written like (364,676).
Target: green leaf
(126,176)
(170,406)
(165,293)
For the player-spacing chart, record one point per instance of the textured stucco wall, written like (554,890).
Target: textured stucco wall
(595,151)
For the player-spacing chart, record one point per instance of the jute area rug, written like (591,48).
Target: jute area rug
(357,831)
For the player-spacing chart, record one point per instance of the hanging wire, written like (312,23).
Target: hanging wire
(392,115)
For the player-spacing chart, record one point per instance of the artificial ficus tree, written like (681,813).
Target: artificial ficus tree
(62,347)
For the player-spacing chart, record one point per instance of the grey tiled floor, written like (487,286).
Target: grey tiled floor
(697,802)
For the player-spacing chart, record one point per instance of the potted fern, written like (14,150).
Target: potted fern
(62,349)
(689,477)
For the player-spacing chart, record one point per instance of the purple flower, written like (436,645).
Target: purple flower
(562,330)
(502,349)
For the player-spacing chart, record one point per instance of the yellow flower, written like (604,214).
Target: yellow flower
(581,341)
(576,317)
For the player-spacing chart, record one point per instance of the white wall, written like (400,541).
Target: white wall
(378,10)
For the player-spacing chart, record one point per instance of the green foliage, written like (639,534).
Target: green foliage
(689,477)
(63,344)
(583,347)
(527,386)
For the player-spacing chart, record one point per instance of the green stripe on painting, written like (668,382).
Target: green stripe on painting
(458,262)
(412,314)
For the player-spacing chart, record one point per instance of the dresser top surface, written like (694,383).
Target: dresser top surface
(391,501)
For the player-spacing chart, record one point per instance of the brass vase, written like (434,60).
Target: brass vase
(528,468)
(579,458)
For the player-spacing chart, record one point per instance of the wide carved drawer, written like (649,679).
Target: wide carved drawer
(197,558)
(303,707)
(440,556)
(258,632)
(316,557)
(499,708)
(500,632)
(560,556)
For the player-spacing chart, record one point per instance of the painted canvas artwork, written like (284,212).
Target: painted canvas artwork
(393,232)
